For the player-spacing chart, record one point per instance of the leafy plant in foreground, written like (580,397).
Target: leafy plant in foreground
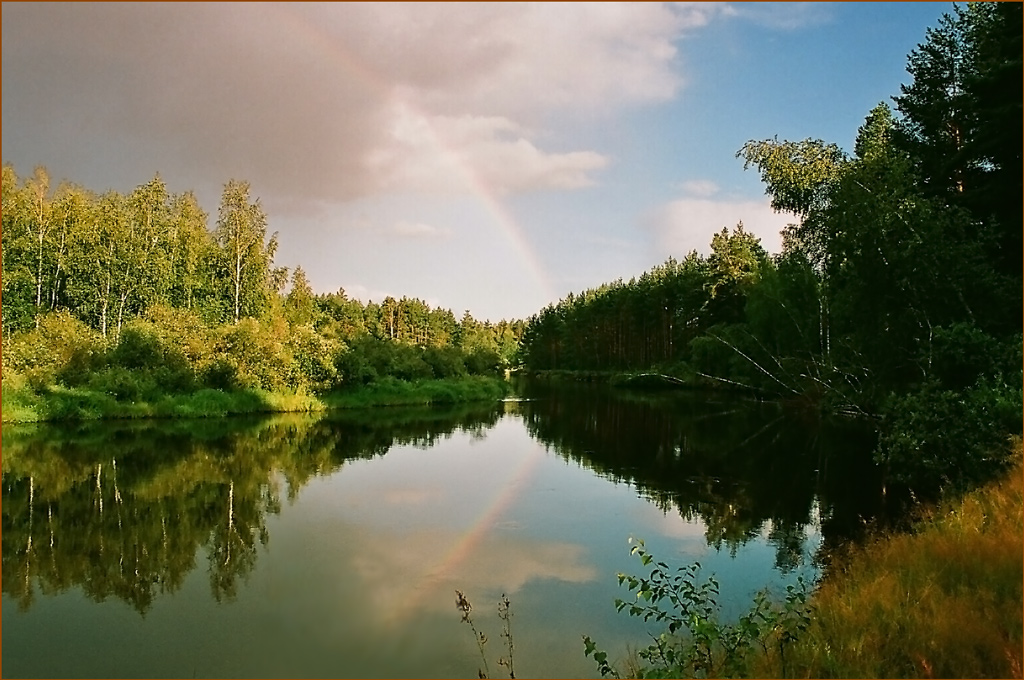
(694,642)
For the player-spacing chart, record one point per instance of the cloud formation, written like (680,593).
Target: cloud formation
(785,16)
(688,223)
(470,154)
(328,102)
(702,188)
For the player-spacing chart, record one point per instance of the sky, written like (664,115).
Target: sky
(478,156)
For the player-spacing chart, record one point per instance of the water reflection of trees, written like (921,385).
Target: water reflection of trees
(123,509)
(741,468)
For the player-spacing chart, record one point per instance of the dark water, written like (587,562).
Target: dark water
(331,545)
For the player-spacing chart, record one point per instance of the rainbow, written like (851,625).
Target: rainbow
(508,230)
(337,54)
(470,540)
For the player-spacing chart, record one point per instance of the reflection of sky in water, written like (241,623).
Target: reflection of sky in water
(498,516)
(358,578)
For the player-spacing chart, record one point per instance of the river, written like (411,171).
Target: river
(331,545)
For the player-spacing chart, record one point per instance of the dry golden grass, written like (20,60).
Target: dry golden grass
(943,601)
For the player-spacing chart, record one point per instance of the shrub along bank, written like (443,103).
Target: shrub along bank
(170,365)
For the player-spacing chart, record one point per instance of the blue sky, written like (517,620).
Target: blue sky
(477,156)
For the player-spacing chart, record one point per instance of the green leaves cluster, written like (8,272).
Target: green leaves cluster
(693,642)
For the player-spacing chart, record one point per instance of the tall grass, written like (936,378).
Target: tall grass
(942,601)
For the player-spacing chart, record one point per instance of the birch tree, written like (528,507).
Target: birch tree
(241,235)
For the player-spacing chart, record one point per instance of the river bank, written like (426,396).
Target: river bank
(23,404)
(942,600)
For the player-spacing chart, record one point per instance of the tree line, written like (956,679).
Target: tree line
(897,294)
(133,293)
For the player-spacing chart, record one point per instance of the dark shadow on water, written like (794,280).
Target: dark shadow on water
(739,465)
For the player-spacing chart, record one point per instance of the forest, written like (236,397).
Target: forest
(897,294)
(112,299)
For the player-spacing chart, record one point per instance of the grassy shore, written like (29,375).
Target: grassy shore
(22,404)
(944,600)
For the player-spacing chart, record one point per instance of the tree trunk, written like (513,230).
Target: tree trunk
(238,278)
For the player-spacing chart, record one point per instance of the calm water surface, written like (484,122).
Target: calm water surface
(332,546)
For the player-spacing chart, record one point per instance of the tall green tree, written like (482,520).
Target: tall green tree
(246,252)
(961,129)
(300,303)
(19,277)
(937,114)
(798,177)
(191,250)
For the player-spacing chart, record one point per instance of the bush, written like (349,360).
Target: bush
(256,353)
(934,438)
(313,359)
(445,362)
(123,384)
(694,642)
(354,367)
(483,361)
(407,363)
(60,343)
(959,354)
(136,349)
(717,354)
(157,362)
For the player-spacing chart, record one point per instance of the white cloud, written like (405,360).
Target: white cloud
(688,224)
(701,188)
(470,154)
(785,16)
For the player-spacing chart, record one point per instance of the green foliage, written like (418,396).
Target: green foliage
(693,641)
(899,285)
(115,304)
(246,255)
(797,175)
(313,359)
(934,437)
(483,361)
(733,267)
(122,384)
(20,403)
(300,303)
(959,354)
(59,343)
(255,353)
(390,391)
(445,362)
